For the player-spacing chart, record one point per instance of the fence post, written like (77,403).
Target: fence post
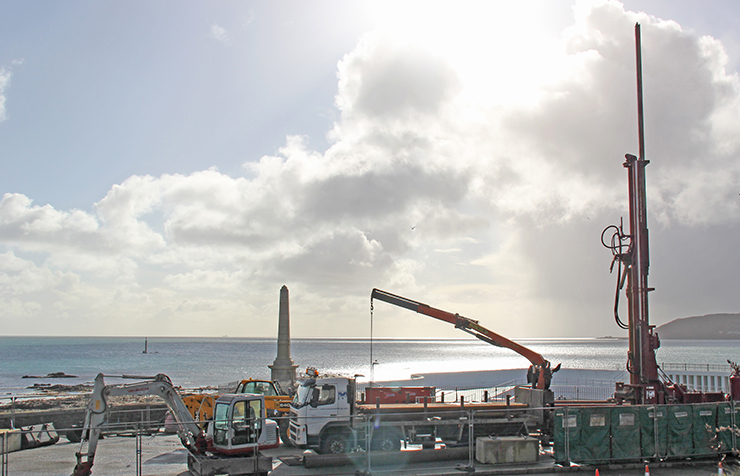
(368,430)
(4,449)
(471,441)
(12,411)
(256,458)
(734,426)
(139,444)
(655,432)
(566,423)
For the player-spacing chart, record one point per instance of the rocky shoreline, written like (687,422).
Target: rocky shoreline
(64,401)
(70,397)
(52,375)
(66,412)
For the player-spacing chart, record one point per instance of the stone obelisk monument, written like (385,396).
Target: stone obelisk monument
(283,369)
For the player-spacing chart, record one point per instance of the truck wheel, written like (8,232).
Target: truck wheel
(386,440)
(335,443)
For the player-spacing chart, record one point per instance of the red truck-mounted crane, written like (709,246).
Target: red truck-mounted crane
(539,373)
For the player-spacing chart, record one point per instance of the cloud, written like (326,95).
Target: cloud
(487,200)
(384,80)
(18,276)
(4,83)
(219,34)
(36,228)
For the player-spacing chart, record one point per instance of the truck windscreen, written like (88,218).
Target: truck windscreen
(302,396)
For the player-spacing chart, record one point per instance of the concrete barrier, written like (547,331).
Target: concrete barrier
(10,440)
(507,449)
(38,435)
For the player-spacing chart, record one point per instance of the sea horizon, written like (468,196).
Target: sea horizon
(194,362)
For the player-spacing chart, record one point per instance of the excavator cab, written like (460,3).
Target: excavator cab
(237,423)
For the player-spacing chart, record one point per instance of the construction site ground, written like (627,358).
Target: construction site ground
(165,456)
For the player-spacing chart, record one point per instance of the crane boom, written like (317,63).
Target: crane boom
(540,371)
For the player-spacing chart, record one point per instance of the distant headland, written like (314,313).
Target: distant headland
(711,326)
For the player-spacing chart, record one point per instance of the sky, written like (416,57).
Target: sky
(168,166)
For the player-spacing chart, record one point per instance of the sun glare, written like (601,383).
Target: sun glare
(498,49)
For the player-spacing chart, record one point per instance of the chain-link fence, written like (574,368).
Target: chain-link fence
(421,441)
(406,443)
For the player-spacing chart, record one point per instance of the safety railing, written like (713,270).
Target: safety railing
(587,390)
(682,366)
(581,392)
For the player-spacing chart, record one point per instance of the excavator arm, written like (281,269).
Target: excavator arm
(98,412)
(539,374)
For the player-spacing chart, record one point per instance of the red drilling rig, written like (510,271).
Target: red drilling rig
(648,384)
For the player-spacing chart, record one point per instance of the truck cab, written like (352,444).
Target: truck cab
(320,412)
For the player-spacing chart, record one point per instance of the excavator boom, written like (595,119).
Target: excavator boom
(239,425)
(539,364)
(98,411)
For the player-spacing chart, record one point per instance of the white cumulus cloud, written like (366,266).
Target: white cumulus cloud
(464,196)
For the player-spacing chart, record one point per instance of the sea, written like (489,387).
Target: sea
(193,362)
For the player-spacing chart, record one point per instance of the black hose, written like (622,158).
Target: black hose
(620,284)
(617,242)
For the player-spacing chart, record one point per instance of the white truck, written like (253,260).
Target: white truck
(228,444)
(326,416)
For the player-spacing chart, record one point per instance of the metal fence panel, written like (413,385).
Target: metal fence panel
(726,427)
(625,431)
(653,431)
(704,429)
(595,433)
(680,427)
(567,435)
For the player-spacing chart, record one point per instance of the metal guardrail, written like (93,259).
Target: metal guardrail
(676,366)
(577,392)
(601,390)
(137,423)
